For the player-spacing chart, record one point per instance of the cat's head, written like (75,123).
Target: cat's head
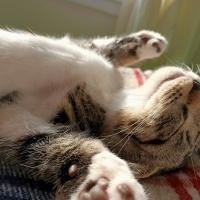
(158,127)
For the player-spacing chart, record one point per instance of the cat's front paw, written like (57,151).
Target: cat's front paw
(109,178)
(136,47)
(150,44)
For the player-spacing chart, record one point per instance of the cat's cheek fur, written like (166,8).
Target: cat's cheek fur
(118,175)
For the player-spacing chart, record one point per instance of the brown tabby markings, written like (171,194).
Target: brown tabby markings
(81,110)
(151,137)
(9,98)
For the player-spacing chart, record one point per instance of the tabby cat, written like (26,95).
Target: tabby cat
(63,110)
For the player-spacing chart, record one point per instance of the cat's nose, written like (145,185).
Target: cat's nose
(196,85)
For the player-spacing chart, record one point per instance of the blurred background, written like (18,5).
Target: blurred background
(178,20)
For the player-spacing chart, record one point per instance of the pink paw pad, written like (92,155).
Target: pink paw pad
(95,190)
(126,192)
(98,191)
(73,170)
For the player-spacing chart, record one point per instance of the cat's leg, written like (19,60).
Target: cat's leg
(70,160)
(37,63)
(109,178)
(131,48)
(79,167)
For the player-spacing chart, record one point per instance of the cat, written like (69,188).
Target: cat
(66,118)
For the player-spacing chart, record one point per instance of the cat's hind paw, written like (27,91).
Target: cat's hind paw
(109,179)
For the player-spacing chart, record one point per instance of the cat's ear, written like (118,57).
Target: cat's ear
(143,171)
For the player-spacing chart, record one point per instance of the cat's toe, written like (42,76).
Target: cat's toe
(95,190)
(109,178)
(98,191)
(126,192)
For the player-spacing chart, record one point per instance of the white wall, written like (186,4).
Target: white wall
(57,17)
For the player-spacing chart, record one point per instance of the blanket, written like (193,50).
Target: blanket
(180,185)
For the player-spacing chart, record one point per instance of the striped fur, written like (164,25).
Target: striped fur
(67,111)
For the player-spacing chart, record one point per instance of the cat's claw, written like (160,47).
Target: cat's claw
(109,179)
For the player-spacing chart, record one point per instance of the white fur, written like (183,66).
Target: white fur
(109,166)
(148,50)
(43,70)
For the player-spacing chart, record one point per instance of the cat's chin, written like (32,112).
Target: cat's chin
(160,84)
(169,77)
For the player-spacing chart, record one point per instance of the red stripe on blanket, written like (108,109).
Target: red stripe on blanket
(193,177)
(138,76)
(178,186)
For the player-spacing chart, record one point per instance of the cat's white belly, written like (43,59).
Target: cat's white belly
(40,62)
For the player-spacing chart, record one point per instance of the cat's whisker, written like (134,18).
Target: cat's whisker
(120,141)
(186,67)
(116,133)
(150,116)
(121,131)
(128,136)
(198,69)
(153,112)
(32,167)
(139,124)
(179,64)
(111,135)
(170,61)
(60,188)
